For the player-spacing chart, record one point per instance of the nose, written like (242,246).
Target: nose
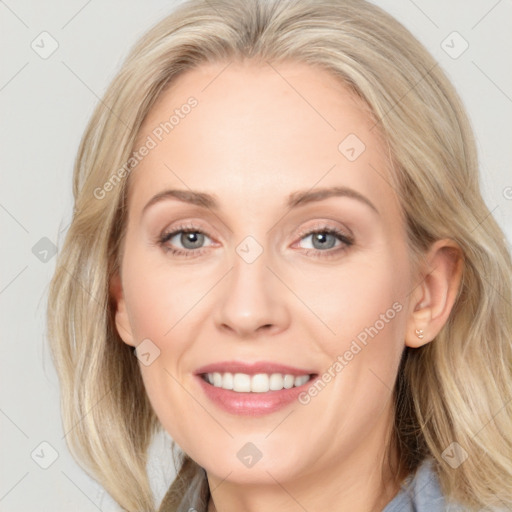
(253,301)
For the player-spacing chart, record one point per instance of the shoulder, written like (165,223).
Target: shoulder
(420,492)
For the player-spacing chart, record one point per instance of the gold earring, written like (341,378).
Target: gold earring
(419,333)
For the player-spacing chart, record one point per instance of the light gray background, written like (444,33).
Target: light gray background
(45,106)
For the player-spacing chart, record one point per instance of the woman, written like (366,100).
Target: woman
(277,212)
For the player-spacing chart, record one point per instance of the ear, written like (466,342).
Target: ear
(433,299)
(121,315)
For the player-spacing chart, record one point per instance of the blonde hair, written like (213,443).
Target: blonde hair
(455,389)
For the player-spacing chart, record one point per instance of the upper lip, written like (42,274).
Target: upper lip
(252,368)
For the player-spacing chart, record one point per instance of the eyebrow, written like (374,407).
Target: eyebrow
(299,198)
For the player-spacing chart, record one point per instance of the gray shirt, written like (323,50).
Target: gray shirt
(420,492)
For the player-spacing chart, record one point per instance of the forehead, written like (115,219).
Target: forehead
(262,130)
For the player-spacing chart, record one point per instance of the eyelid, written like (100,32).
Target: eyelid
(169,233)
(185,225)
(325,226)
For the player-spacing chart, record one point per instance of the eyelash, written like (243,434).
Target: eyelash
(340,235)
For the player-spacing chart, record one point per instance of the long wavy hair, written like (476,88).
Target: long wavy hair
(458,388)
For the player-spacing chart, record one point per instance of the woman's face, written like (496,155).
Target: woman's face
(294,258)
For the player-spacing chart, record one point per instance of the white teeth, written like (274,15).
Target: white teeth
(288,381)
(276,382)
(241,382)
(258,383)
(217,380)
(299,381)
(227,381)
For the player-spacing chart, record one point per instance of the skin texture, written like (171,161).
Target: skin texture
(251,141)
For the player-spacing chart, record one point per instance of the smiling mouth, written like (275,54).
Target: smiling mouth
(256,383)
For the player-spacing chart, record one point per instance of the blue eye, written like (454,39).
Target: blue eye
(322,240)
(189,241)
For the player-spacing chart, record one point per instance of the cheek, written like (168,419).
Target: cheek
(164,305)
(159,296)
(362,306)
(157,301)
(361,301)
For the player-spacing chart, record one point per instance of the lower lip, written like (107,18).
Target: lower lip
(252,404)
